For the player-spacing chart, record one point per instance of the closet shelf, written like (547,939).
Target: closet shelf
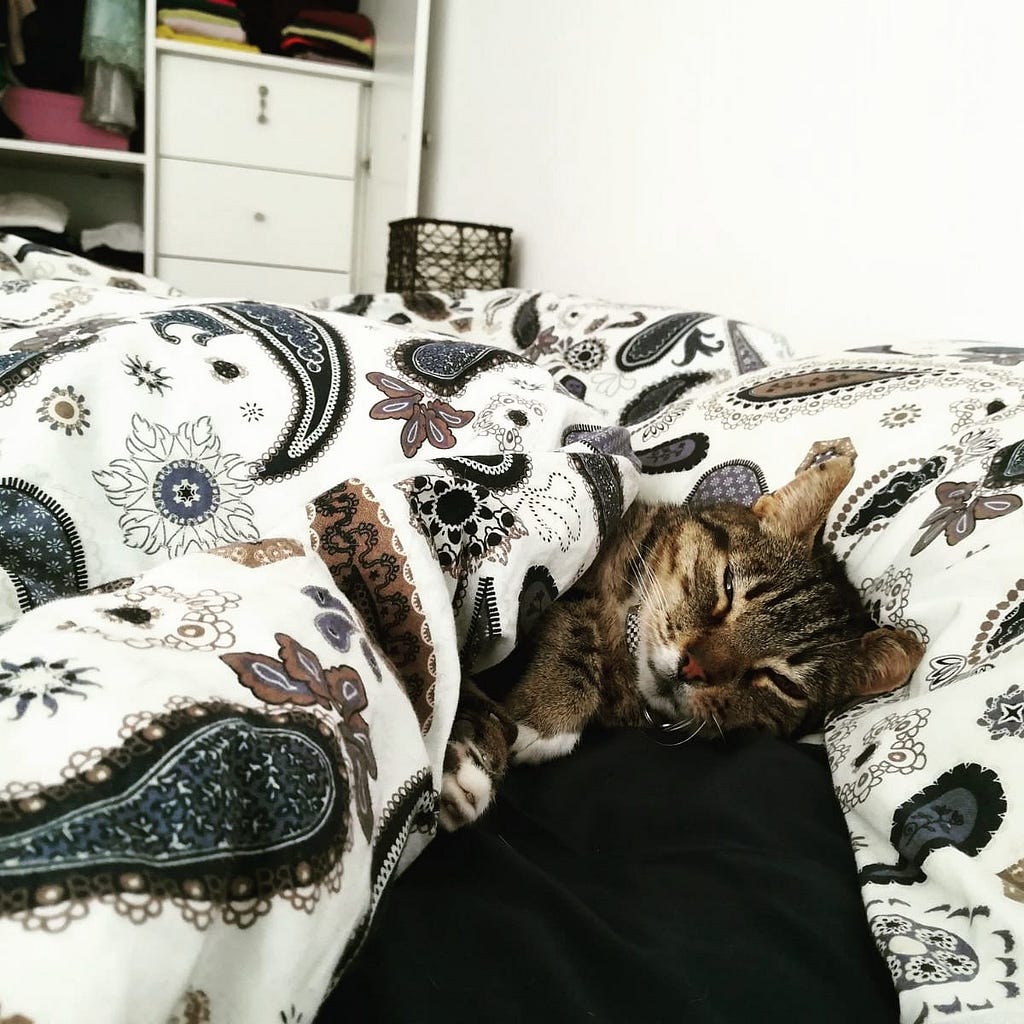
(270,62)
(46,154)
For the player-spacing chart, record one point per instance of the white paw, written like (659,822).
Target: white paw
(532,748)
(466,790)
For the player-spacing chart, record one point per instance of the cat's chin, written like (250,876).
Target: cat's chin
(663,697)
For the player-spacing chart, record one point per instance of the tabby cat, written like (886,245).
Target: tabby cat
(697,619)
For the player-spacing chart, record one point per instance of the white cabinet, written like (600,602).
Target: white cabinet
(256,175)
(213,109)
(264,176)
(251,281)
(223,212)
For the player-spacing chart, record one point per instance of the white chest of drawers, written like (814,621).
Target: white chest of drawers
(257,178)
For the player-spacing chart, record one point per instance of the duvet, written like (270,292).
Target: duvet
(248,550)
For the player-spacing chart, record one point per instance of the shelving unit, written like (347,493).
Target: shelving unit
(100,185)
(45,154)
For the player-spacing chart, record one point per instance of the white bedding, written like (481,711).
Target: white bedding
(211,766)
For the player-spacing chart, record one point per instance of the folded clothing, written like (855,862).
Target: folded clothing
(264,19)
(27,209)
(122,235)
(213,19)
(337,36)
(165,32)
(118,245)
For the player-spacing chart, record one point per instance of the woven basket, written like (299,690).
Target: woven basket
(447,255)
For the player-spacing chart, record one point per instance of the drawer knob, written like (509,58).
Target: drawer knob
(259,216)
(264,92)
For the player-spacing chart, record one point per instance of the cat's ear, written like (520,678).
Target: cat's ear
(887,660)
(798,511)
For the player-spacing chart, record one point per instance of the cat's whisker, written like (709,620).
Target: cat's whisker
(695,733)
(678,726)
(643,567)
(683,723)
(718,725)
(835,643)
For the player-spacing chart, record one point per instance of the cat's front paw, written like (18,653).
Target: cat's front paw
(466,785)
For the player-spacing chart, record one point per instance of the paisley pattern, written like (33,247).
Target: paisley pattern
(447,367)
(40,549)
(657,396)
(430,422)
(497,473)
(152,815)
(485,622)
(675,454)
(962,808)
(411,810)
(297,677)
(189,324)
(654,341)
(738,481)
(367,561)
(605,485)
(888,500)
(796,386)
(1007,467)
(314,356)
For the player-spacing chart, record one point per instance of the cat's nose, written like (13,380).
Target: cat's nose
(689,670)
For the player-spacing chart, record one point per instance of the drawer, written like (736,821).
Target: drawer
(211,109)
(212,211)
(203,279)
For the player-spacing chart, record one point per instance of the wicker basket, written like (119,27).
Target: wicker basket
(447,255)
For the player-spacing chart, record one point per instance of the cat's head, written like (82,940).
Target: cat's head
(747,622)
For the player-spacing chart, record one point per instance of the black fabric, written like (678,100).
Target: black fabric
(710,882)
(119,259)
(52,38)
(40,236)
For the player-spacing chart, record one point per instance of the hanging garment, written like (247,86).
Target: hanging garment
(109,97)
(113,51)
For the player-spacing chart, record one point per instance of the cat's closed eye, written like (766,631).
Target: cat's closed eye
(724,599)
(786,686)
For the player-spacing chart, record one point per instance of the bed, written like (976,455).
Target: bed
(248,549)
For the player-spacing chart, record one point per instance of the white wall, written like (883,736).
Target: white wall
(844,173)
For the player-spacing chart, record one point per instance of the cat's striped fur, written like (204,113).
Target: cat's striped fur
(742,620)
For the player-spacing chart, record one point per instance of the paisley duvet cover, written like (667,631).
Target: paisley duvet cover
(248,549)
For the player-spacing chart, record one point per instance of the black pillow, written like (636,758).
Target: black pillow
(709,882)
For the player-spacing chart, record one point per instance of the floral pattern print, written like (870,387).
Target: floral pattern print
(943,955)
(297,677)
(179,491)
(507,418)
(64,409)
(464,521)
(1004,714)
(430,422)
(901,416)
(41,682)
(154,379)
(959,511)
(149,616)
